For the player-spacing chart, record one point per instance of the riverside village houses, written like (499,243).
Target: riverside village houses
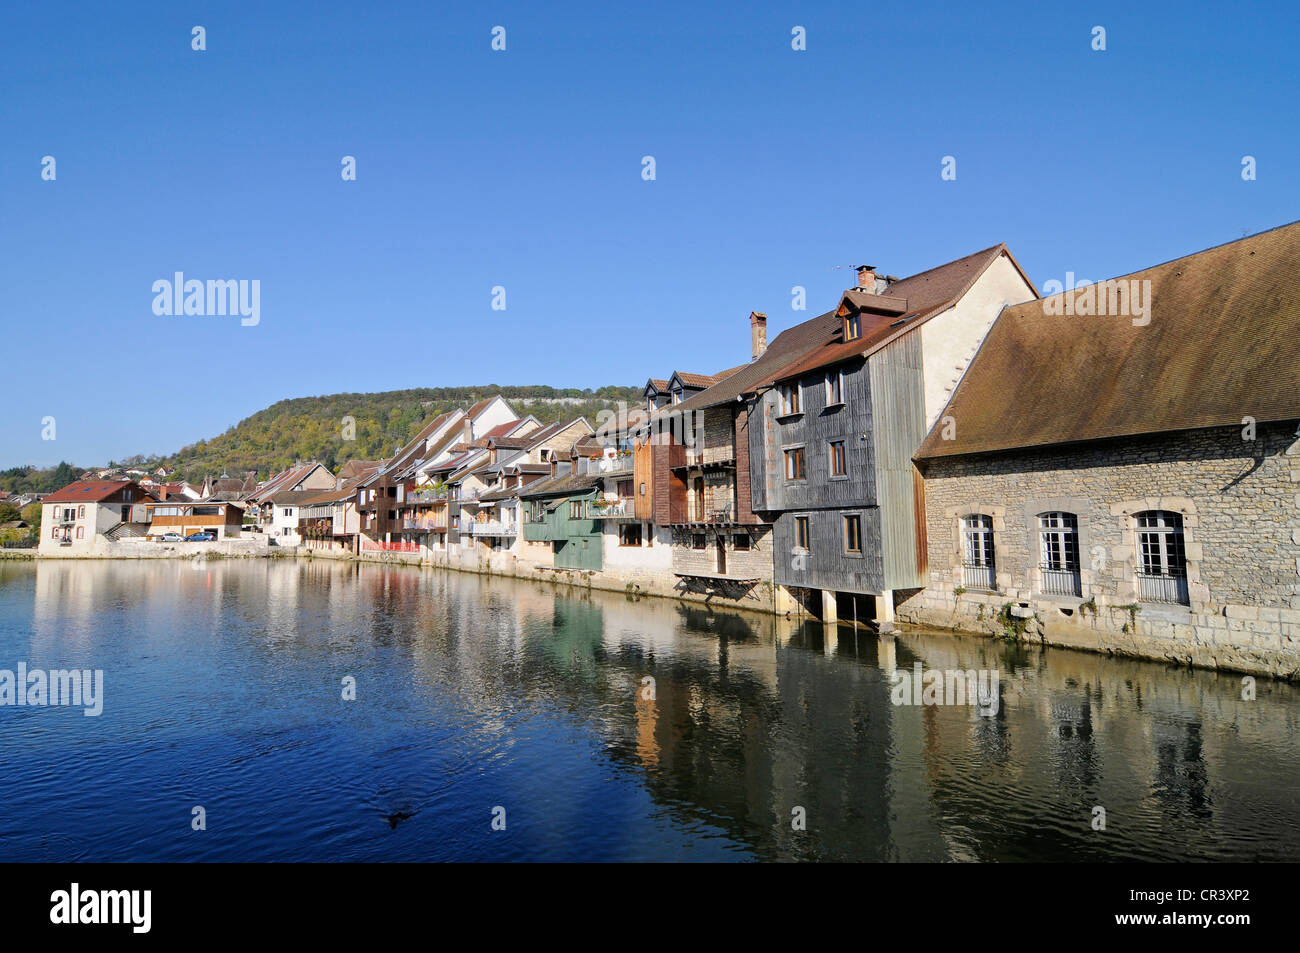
(1113,467)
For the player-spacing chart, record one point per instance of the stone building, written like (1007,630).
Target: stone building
(1118,469)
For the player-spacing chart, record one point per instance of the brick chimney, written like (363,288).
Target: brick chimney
(867,278)
(757,334)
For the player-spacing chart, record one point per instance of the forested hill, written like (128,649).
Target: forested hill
(311,428)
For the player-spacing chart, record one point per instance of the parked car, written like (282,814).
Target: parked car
(200,537)
(172,537)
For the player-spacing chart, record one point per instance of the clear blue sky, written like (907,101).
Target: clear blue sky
(522,168)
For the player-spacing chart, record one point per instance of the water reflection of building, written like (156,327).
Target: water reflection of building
(752,717)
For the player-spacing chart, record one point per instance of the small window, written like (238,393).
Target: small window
(575,509)
(834,388)
(624,489)
(698,541)
(643,489)
(852,327)
(81,512)
(791,402)
(853,534)
(81,532)
(838,465)
(740,542)
(629,534)
(54,532)
(794,464)
(801,535)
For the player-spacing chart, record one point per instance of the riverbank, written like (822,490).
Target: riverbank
(1249,646)
(1258,646)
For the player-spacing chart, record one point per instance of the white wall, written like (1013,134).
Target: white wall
(280,522)
(950,340)
(654,554)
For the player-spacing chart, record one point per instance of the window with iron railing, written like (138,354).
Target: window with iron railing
(1162,558)
(977,552)
(1058,535)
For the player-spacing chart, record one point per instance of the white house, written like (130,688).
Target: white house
(73,518)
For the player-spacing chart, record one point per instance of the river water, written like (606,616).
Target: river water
(484,703)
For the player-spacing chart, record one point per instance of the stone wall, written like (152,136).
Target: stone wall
(754,564)
(1238,500)
(629,580)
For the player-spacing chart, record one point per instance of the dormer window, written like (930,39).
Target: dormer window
(677,395)
(852,327)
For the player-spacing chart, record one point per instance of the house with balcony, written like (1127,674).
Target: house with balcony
(381,497)
(833,431)
(481,471)
(457,477)
(691,475)
(381,493)
(558,528)
(299,478)
(1117,469)
(82,515)
(328,520)
(634,547)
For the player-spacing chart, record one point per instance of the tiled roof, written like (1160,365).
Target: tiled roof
(695,380)
(926,294)
(283,481)
(550,431)
(354,468)
(564,483)
(91,491)
(788,346)
(292,497)
(1221,341)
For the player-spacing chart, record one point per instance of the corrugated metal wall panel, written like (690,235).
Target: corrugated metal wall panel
(898,400)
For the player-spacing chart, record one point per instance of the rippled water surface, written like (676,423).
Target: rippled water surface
(223,689)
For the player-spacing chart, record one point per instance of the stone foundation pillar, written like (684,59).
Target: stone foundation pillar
(784,602)
(885,611)
(829,614)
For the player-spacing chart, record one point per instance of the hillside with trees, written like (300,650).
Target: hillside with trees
(17,480)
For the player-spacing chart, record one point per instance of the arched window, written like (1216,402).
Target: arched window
(81,512)
(1058,546)
(1162,560)
(977,551)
